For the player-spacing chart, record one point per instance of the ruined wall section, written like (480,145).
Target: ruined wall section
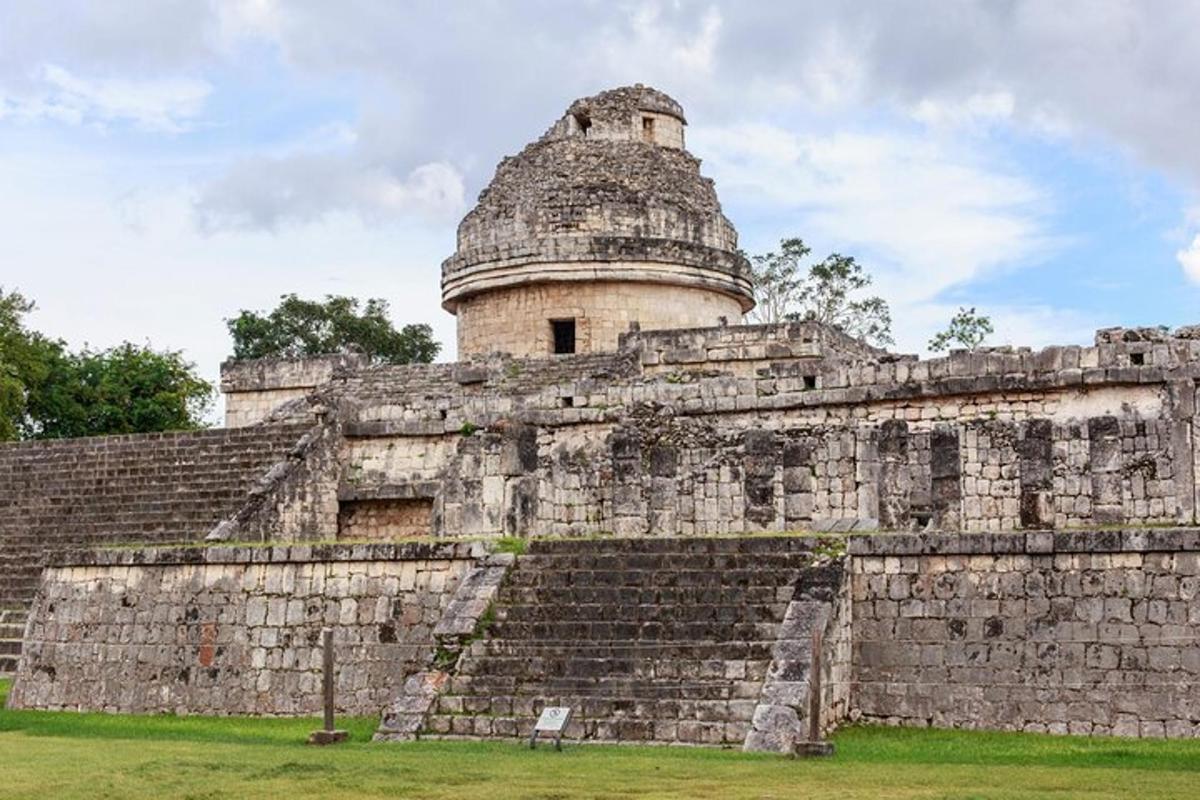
(755,430)
(1088,632)
(235,630)
(254,388)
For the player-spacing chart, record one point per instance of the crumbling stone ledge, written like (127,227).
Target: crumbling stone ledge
(271,554)
(1124,540)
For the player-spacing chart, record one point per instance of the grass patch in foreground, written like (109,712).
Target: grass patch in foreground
(64,755)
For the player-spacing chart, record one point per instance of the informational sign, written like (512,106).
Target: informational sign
(553,720)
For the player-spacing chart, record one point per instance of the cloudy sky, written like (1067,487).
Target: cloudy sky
(165,164)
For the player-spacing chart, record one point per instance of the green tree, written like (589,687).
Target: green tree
(26,361)
(48,392)
(298,328)
(124,389)
(966,329)
(777,281)
(829,292)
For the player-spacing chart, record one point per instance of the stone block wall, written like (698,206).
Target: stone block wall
(253,388)
(795,426)
(235,630)
(142,489)
(516,320)
(385,519)
(1086,632)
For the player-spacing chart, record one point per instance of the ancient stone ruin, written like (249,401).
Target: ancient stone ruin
(1001,538)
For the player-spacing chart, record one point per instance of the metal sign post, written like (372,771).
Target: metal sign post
(553,719)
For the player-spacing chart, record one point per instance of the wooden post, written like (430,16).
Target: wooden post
(327,644)
(328,734)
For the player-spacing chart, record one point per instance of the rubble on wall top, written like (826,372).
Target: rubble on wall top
(1159,333)
(624,101)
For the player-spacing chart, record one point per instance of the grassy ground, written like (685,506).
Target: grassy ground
(56,755)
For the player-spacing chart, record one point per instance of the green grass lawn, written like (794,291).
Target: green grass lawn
(62,755)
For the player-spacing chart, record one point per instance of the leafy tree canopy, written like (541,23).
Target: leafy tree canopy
(967,329)
(125,389)
(48,392)
(298,328)
(829,291)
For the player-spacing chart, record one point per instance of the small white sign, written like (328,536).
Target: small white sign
(553,719)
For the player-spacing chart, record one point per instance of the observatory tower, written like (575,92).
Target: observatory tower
(602,223)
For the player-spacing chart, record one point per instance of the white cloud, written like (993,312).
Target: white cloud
(304,188)
(930,216)
(169,105)
(1189,259)
(187,283)
(979,109)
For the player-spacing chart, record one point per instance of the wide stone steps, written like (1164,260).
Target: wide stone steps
(648,667)
(614,730)
(654,595)
(622,648)
(543,690)
(647,640)
(562,580)
(12,632)
(670,561)
(561,632)
(640,612)
(723,710)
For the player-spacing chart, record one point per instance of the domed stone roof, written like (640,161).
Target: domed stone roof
(607,193)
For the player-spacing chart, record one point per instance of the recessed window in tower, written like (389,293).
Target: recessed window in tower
(564,335)
(648,129)
(583,122)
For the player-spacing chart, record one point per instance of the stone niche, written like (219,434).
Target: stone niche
(385,519)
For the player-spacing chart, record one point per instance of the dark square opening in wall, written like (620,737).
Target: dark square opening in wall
(810,381)
(648,129)
(564,335)
(1137,359)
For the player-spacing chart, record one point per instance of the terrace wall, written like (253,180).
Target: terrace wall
(234,630)
(1089,632)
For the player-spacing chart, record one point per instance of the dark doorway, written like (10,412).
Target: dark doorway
(564,335)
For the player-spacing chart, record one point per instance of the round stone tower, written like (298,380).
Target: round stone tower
(603,222)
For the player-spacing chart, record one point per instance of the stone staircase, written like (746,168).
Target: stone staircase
(12,632)
(648,640)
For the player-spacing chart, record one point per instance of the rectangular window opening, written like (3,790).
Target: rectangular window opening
(810,381)
(648,128)
(564,335)
(1137,359)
